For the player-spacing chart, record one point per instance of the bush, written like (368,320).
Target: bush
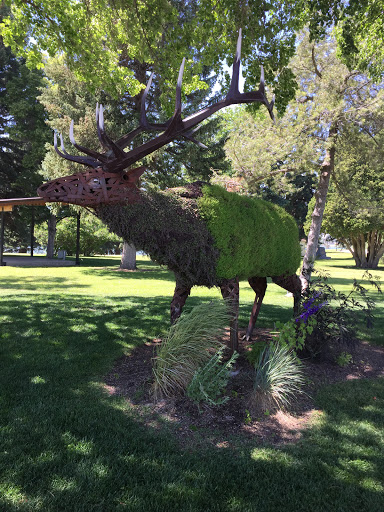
(327,320)
(278,378)
(209,381)
(188,346)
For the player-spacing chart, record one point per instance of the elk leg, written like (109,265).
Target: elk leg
(292,284)
(230,291)
(258,285)
(180,296)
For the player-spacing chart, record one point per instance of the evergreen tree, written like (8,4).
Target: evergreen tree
(23,135)
(329,99)
(354,213)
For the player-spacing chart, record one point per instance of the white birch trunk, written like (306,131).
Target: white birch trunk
(318,212)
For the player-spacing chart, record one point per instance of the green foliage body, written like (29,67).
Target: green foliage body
(218,235)
(255,238)
(168,228)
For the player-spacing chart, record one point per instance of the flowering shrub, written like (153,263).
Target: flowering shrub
(327,319)
(310,308)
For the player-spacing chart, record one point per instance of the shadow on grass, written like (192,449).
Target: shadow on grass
(141,273)
(30,283)
(66,445)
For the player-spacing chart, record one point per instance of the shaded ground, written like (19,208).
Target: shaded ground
(131,377)
(36,261)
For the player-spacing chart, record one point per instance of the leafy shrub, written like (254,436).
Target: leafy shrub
(328,319)
(94,235)
(209,381)
(278,378)
(344,359)
(254,355)
(188,346)
(294,334)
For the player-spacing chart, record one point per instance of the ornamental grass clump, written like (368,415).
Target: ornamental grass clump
(278,378)
(190,342)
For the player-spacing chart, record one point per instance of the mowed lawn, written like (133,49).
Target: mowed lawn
(66,445)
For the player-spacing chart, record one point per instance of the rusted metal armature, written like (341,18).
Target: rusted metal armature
(98,184)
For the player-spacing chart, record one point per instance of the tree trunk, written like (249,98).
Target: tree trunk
(51,236)
(318,212)
(363,252)
(128,258)
(367,253)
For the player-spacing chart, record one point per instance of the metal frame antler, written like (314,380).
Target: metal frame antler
(115,159)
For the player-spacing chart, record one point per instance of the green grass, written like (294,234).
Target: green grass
(66,445)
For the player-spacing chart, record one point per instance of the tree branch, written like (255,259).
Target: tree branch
(317,70)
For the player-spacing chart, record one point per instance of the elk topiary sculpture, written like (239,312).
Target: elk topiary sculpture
(204,234)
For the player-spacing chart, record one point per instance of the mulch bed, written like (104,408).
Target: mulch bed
(131,377)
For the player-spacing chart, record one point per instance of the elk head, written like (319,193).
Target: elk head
(107,181)
(93,187)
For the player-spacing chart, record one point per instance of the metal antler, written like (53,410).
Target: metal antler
(115,159)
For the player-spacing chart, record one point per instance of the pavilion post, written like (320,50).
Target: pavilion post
(2,262)
(32,229)
(78,240)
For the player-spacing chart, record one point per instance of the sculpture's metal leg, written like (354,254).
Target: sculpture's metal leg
(230,291)
(292,284)
(258,285)
(180,296)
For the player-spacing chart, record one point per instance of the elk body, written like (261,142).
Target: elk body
(205,235)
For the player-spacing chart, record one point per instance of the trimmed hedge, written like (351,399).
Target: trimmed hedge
(167,226)
(254,237)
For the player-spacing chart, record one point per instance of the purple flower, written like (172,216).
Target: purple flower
(309,311)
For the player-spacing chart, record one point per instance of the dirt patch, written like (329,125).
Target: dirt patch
(131,377)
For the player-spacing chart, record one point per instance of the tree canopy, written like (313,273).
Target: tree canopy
(354,212)
(359,31)
(112,45)
(330,98)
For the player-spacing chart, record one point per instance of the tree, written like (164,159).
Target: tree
(113,45)
(359,31)
(95,236)
(329,99)
(354,212)
(23,134)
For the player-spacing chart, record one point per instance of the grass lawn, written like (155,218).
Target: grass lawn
(66,445)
